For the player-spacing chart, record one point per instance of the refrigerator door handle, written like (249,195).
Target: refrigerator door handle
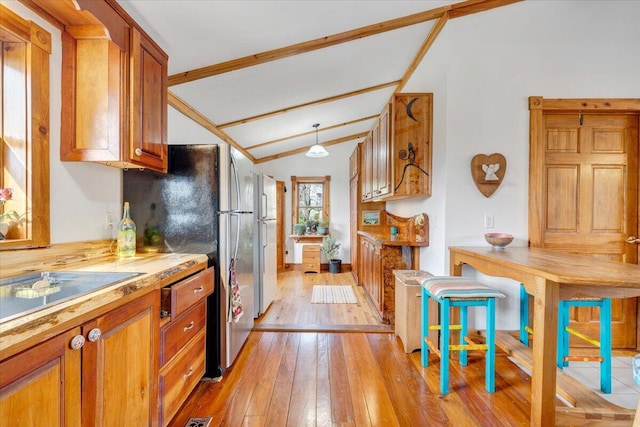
(264,206)
(234,170)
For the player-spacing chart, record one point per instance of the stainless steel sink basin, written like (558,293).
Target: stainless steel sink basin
(31,292)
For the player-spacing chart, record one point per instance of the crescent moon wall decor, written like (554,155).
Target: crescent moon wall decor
(488,172)
(409,112)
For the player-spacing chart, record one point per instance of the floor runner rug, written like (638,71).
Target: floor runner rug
(332,294)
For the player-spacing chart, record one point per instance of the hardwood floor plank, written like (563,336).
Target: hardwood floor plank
(279,406)
(379,405)
(405,385)
(341,405)
(323,383)
(263,392)
(302,411)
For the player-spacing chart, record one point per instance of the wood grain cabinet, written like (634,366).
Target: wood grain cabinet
(183,340)
(114,87)
(396,155)
(311,258)
(102,372)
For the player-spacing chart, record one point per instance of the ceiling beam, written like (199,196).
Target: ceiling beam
(426,45)
(197,117)
(309,104)
(308,46)
(286,138)
(476,6)
(303,149)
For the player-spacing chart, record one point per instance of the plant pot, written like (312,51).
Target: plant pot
(299,229)
(335,266)
(322,230)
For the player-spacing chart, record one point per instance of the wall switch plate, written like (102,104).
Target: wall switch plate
(488,221)
(109,220)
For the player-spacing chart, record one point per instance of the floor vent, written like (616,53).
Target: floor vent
(198,422)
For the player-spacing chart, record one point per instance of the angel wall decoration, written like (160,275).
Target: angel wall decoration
(488,172)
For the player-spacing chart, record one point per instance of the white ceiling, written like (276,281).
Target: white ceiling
(201,33)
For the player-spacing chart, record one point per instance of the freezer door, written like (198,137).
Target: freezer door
(269,274)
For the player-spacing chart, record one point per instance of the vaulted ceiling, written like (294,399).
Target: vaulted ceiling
(260,74)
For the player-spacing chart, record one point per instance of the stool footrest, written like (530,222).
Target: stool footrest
(583,359)
(468,347)
(451,327)
(582,336)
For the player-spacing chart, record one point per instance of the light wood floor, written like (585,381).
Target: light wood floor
(293,310)
(311,377)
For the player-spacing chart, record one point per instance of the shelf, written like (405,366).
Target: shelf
(308,238)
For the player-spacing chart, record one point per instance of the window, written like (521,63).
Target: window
(310,200)
(24,131)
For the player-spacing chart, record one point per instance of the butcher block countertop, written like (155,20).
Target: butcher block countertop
(158,270)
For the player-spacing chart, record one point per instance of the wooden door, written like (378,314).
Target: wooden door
(587,187)
(354,195)
(280,216)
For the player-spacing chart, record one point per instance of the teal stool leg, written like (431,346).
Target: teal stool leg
(605,345)
(524,315)
(490,368)
(563,335)
(463,334)
(424,348)
(444,346)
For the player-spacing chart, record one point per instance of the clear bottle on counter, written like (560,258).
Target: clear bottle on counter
(126,235)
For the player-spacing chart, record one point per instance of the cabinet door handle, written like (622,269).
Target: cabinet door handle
(94,335)
(632,239)
(188,374)
(138,152)
(77,342)
(186,328)
(198,290)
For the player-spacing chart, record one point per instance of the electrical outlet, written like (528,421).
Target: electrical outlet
(488,221)
(109,220)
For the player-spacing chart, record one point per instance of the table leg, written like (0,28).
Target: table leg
(543,378)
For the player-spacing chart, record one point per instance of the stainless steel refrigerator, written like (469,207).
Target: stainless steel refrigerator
(204,204)
(266,286)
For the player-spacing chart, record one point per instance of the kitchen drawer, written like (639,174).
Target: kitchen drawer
(180,296)
(179,377)
(181,330)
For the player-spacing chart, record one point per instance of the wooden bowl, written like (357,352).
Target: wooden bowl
(498,240)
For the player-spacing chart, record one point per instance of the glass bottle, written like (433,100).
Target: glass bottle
(126,235)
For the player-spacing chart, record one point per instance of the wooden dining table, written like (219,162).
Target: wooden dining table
(549,276)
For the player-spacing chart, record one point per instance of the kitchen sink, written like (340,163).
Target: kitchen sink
(31,292)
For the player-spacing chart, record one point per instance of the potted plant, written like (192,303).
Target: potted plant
(300,228)
(323,227)
(330,248)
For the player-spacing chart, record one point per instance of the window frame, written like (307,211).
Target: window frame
(296,181)
(35,144)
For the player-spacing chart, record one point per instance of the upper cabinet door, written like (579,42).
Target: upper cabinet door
(148,103)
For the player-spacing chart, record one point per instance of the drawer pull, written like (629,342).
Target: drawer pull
(188,374)
(198,290)
(186,328)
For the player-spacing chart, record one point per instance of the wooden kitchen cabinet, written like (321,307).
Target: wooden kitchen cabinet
(396,161)
(114,87)
(311,258)
(183,340)
(102,372)
(372,273)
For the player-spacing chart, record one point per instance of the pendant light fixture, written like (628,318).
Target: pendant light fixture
(317,150)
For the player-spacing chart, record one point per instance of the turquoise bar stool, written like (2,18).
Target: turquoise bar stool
(565,331)
(461,292)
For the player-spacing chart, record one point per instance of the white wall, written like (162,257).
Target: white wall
(81,193)
(485,66)
(336,165)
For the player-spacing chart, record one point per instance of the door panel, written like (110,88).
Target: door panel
(590,201)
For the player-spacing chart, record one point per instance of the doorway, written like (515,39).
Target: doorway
(583,192)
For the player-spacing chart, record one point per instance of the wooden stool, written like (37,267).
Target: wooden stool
(453,291)
(564,331)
